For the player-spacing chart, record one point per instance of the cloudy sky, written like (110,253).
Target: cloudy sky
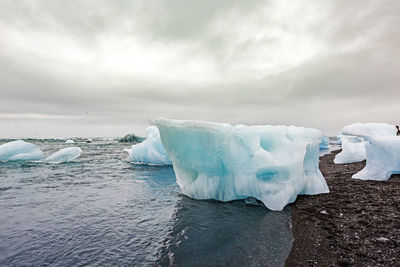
(105,68)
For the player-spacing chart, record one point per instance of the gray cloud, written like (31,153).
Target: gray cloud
(98,68)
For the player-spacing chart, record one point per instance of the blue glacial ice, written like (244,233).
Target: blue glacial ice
(220,161)
(20,150)
(383,158)
(64,155)
(339,139)
(324,142)
(150,151)
(325,146)
(353,139)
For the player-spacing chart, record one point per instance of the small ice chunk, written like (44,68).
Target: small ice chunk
(324,212)
(64,155)
(324,147)
(324,142)
(251,201)
(70,141)
(383,239)
(150,151)
(20,150)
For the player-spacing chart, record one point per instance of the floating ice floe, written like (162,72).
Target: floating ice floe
(150,151)
(219,161)
(353,139)
(383,158)
(64,155)
(23,151)
(20,150)
(70,141)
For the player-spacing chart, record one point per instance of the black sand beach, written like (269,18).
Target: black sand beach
(357,224)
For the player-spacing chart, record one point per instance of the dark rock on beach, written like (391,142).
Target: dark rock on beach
(356,224)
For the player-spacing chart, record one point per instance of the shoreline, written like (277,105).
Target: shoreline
(357,223)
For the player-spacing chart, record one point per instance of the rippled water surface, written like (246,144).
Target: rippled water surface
(101,210)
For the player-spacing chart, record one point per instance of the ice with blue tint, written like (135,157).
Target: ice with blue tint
(327,146)
(64,155)
(339,139)
(383,158)
(150,151)
(220,161)
(324,142)
(353,138)
(70,141)
(20,150)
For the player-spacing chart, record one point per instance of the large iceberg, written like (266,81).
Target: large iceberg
(20,150)
(383,158)
(353,138)
(219,161)
(150,151)
(64,155)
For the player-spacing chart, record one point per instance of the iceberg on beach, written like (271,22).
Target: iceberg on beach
(220,161)
(70,141)
(20,150)
(353,150)
(383,158)
(353,139)
(150,151)
(64,155)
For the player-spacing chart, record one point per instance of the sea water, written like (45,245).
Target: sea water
(101,210)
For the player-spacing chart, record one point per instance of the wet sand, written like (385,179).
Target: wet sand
(357,224)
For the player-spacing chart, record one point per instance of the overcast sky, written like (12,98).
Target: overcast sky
(105,68)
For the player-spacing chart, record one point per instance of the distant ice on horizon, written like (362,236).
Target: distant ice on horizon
(324,142)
